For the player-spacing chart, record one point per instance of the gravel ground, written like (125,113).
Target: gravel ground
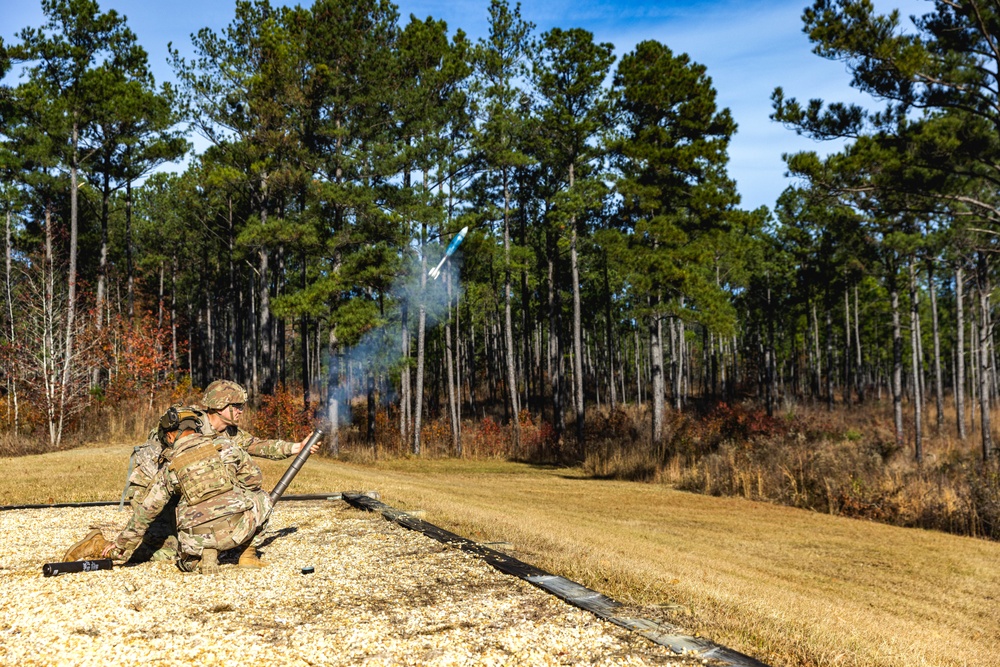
(380,595)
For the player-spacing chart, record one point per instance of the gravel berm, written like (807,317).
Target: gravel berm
(379,595)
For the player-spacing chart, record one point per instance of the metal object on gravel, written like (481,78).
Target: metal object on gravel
(53,569)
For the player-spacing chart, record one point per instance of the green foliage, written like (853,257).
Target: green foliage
(675,195)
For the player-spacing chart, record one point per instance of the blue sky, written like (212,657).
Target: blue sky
(748,47)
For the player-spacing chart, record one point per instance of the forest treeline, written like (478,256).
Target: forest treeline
(608,261)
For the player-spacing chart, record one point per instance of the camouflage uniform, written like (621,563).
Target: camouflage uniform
(147,455)
(159,542)
(220,503)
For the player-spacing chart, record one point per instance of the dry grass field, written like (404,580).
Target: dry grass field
(787,586)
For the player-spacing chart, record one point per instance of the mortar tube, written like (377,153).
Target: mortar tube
(294,468)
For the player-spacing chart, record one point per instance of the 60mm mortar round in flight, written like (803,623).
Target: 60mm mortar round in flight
(452,247)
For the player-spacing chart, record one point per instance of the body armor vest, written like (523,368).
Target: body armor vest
(199,469)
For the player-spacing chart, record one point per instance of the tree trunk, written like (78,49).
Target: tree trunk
(459,362)
(202,356)
(555,340)
(160,304)
(960,361)
(210,369)
(508,321)
(15,422)
(918,442)
(278,323)
(676,361)
(306,362)
(254,342)
(992,352)
(190,350)
(175,361)
(656,371)
(938,380)
(370,436)
(984,358)
(418,403)
(130,274)
(609,342)
(102,267)
(577,334)
(734,373)
(266,348)
(404,379)
(333,393)
(492,359)
(454,350)
(159,311)
(471,354)
(265,338)
(922,380)
(234,318)
(622,372)
(847,344)
(50,359)
(526,320)
(818,367)
(770,356)
(638,366)
(829,361)
(456,443)
(71,281)
(974,365)
(858,367)
(897,364)
(683,360)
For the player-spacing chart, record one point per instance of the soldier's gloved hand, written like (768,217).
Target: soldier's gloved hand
(112,551)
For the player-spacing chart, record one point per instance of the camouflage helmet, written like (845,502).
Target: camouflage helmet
(221,393)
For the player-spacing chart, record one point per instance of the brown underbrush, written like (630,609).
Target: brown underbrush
(107,417)
(485,438)
(842,462)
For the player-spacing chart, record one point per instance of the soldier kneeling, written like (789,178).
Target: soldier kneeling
(220,503)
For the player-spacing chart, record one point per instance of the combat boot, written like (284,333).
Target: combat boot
(187,563)
(249,558)
(90,547)
(209,562)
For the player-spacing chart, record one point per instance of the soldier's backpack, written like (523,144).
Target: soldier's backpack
(146,458)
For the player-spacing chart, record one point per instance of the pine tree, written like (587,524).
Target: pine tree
(499,60)
(672,156)
(67,58)
(243,92)
(569,73)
